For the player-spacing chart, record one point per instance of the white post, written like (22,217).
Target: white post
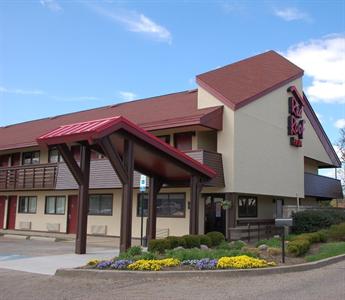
(297,202)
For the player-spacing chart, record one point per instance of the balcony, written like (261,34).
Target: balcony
(31,177)
(322,187)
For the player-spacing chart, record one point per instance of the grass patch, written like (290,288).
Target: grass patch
(272,243)
(328,250)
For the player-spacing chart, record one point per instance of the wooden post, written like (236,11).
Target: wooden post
(83,201)
(127,197)
(154,187)
(195,189)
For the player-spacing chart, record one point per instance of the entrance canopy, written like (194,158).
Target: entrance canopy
(128,148)
(152,156)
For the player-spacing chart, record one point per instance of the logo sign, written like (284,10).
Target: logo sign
(295,122)
(142,184)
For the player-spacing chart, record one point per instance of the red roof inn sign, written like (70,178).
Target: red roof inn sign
(295,121)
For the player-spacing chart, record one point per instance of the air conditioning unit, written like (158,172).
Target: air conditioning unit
(99,229)
(53,227)
(25,225)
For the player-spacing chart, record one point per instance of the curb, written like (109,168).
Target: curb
(16,236)
(105,274)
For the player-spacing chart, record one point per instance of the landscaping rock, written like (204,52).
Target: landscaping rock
(274,251)
(178,248)
(263,247)
(204,247)
(277,236)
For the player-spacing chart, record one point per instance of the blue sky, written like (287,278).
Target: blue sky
(61,56)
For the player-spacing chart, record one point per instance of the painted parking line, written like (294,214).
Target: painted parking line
(6,257)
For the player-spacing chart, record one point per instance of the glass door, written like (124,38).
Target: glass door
(214,214)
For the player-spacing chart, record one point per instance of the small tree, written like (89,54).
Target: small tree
(341,152)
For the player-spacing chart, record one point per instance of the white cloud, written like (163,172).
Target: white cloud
(74,99)
(292,14)
(340,123)
(136,22)
(127,96)
(5,90)
(52,5)
(324,61)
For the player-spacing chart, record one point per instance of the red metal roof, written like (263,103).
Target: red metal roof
(159,157)
(168,111)
(242,82)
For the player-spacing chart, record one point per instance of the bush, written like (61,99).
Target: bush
(135,250)
(298,247)
(158,245)
(314,220)
(216,237)
(237,245)
(146,255)
(205,240)
(337,232)
(176,241)
(192,241)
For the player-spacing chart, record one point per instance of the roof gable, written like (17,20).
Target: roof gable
(242,82)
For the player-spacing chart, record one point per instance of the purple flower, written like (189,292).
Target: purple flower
(104,264)
(201,264)
(121,264)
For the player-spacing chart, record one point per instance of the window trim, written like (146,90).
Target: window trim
(171,217)
(27,212)
(55,213)
(166,138)
(102,215)
(31,152)
(256,206)
(60,159)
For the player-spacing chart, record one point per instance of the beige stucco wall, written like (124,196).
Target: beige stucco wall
(311,166)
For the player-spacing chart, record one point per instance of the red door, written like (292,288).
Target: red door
(11,214)
(2,211)
(72,214)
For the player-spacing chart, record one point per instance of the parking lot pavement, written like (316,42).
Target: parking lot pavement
(45,257)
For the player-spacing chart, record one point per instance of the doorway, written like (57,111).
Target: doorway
(214,213)
(72,214)
(2,211)
(11,212)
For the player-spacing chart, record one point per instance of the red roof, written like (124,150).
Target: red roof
(168,111)
(247,80)
(153,155)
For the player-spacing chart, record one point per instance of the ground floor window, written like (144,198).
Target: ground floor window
(27,204)
(171,205)
(55,205)
(247,207)
(101,205)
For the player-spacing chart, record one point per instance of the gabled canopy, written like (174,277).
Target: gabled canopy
(152,156)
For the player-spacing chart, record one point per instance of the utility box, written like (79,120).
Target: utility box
(283,222)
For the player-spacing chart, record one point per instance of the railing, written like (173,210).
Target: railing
(33,177)
(253,230)
(322,187)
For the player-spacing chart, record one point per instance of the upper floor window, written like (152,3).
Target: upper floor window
(164,138)
(171,205)
(247,207)
(32,157)
(101,205)
(27,204)
(183,140)
(54,156)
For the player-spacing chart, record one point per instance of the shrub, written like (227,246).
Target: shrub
(192,241)
(314,220)
(205,240)
(337,232)
(146,255)
(298,247)
(158,245)
(135,250)
(216,237)
(237,245)
(176,241)
(314,237)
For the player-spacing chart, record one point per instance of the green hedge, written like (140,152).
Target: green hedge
(337,232)
(216,237)
(192,241)
(314,220)
(298,247)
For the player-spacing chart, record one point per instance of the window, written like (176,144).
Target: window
(183,141)
(172,205)
(247,207)
(30,158)
(27,204)
(54,156)
(101,205)
(165,138)
(55,205)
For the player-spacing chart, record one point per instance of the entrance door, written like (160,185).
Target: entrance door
(11,212)
(214,214)
(2,211)
(72,214)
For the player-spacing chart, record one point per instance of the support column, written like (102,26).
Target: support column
(154,187)
(195,190)
(83,201)
(127,197)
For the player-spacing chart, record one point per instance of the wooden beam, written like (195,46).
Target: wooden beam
(83,201)
(195,190)
(154,187)
(71,163)
(127,197)
(114,159)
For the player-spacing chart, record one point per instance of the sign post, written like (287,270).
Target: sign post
(142,187)
(283,223)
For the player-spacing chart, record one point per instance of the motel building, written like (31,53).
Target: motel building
(243,148)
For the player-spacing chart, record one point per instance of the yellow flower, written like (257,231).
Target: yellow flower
(93,262)
(153,264)
(242,262)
